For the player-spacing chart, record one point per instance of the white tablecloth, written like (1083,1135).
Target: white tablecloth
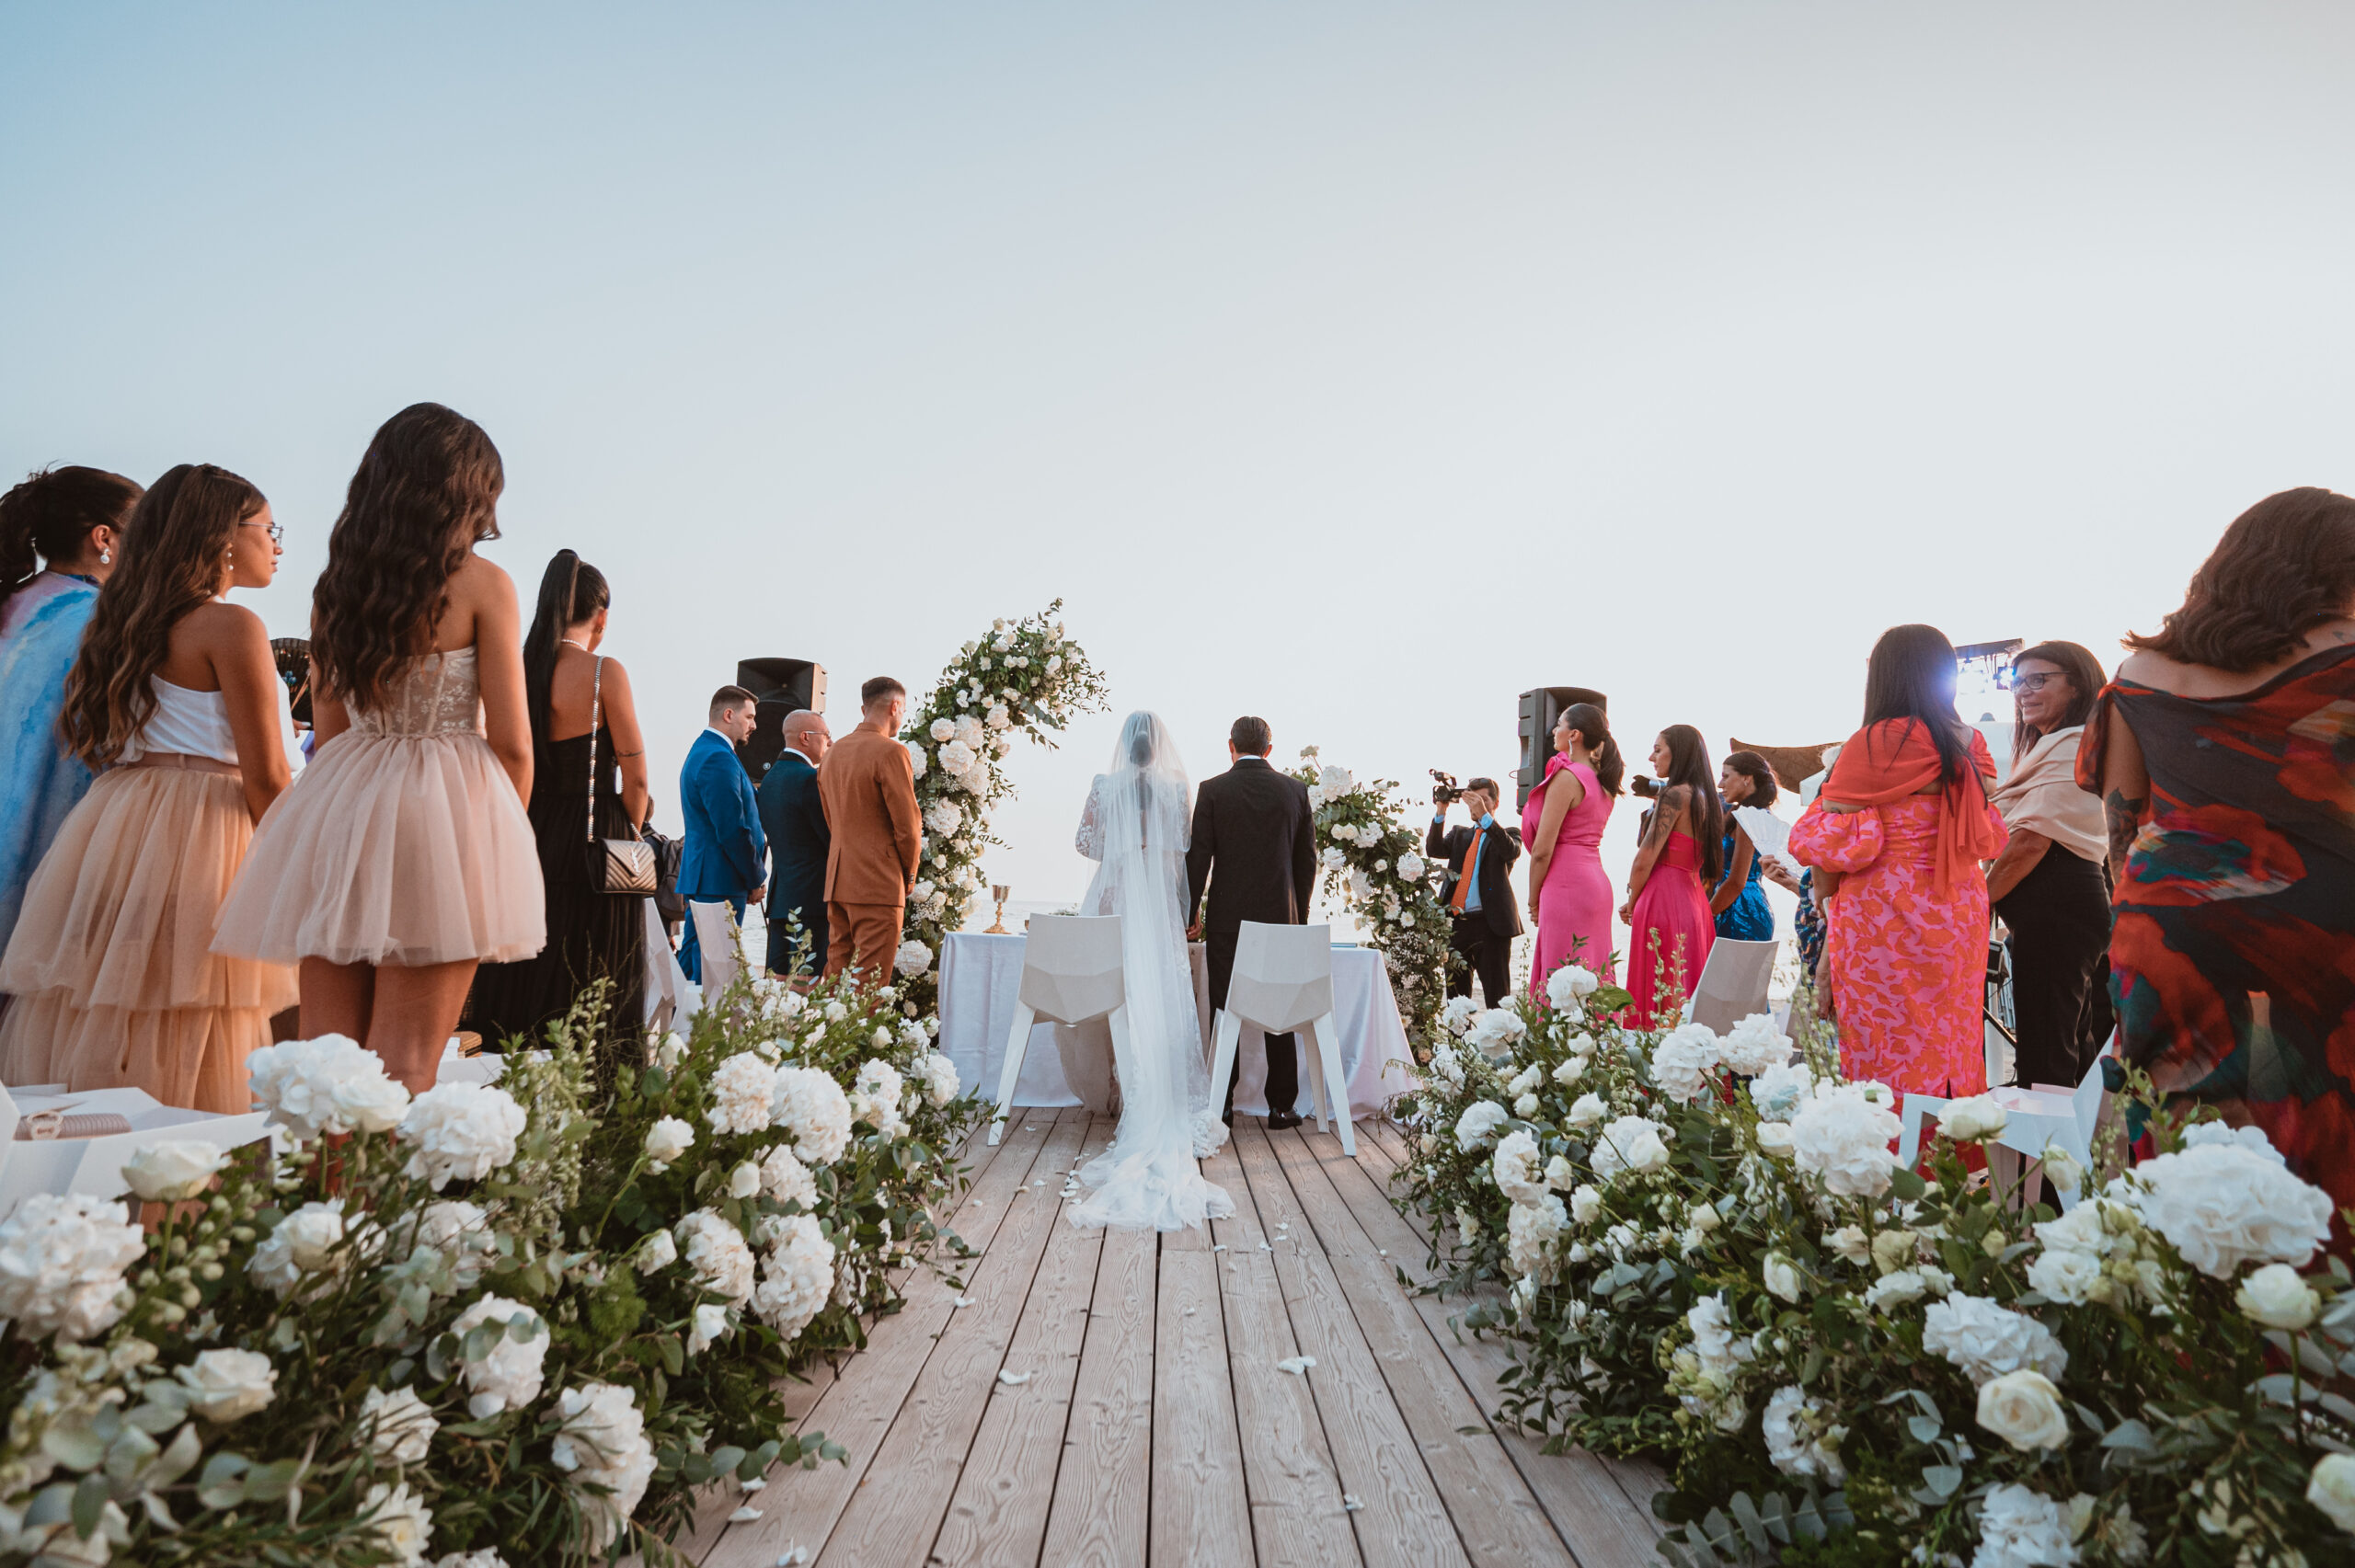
(980,978)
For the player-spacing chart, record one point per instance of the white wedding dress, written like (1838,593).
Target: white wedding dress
(1135,828)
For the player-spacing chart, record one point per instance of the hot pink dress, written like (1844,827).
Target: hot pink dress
(1574,903)
(1906,964)
(1671,931)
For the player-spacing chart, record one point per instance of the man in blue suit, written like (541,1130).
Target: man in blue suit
(795,820)
(725,850)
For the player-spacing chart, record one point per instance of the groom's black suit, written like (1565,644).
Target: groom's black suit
(1254,824)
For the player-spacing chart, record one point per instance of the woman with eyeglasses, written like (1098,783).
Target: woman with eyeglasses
(176,702)
(2048,884)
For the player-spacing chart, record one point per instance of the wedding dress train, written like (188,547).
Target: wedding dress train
(1135,828)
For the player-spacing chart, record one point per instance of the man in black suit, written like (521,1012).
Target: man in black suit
(1253,823)
(1481,903)
(796,824)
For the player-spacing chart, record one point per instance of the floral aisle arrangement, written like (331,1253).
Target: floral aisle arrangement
(481,1327)
(1708,1255)
(1375,867)
(1024,677)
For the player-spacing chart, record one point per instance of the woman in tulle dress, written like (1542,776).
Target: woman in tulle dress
(175,700)
(404,858)
(1669,927)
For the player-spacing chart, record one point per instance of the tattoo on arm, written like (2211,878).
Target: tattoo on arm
(2124,815)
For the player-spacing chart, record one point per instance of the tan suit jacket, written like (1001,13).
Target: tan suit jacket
(868,789)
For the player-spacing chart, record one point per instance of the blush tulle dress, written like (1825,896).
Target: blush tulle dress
(403,842)
(1574,904)
(1670,933)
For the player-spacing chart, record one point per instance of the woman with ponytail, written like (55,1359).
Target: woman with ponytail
(585,727)
(176,701)
(61,532)
(1570,893)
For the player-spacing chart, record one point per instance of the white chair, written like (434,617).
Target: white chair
(1733,983)
(2033,1118)
(1071,973)
(721,956)
(1282,982)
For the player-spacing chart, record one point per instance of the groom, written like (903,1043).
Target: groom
(1252,823)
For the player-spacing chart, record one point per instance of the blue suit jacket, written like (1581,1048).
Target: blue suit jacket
(796,824)
(725,851)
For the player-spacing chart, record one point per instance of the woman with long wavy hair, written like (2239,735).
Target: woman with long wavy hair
(2225,763)
(176,702)
(404,858)
(1669,928)
(1897,836)
(59,534)
(588,761)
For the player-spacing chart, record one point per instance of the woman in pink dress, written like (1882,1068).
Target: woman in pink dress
(1898,834)
(1569,896)
(1671,929)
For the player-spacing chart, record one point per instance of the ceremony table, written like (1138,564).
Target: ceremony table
(981,975)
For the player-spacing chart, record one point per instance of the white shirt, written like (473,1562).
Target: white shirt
(708,730)
(796,751)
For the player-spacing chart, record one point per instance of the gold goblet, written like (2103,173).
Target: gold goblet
(999,890)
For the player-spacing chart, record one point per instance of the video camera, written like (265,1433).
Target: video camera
(1445,791)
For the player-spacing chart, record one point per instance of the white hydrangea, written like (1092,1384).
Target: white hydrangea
(1629,1143)
(944,817)
(1586,1202)
(297,1081)
(1754,1045)
(786,1180)
(1515,1168)
(400,1426)
(742,1090)
(911,959)
(665,1142)
(460,1131)
(61,1262)
(918,763)
(956,757)
(2222,1203)
(602,1443)
(998,717)
(1530,1233)
(506,1376)
(875,1097)
(1778,1091)
(943,729)
(1495,1031)
(2022,1529)
(1411,866)
(1842,1135)
(812,1107)
(1335,782)
(1985,1340)
(1702,1373)
(1457,1013)
(796,1276)
(716,1254)
(968,731)
(939,1074)
(1479,1123)
(1799,1439)
(1565,987)
(1681,1062)
(302,1242)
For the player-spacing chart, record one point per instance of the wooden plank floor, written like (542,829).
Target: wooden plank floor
(1148,1422)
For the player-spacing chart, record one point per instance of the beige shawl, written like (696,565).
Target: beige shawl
(2043,797)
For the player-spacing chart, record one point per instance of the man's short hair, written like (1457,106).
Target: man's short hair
(1489,785)
(1250,737)
(801,721)
(729,697)
(875,691)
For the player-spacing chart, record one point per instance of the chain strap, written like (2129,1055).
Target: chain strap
(596,696)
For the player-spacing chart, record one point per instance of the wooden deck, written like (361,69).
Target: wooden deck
(1150,1424)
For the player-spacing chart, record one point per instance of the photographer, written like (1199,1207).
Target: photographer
(1478,892)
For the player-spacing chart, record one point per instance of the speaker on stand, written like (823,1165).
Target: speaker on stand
(779,686)
(1540,707)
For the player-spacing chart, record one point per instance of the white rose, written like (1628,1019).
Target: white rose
(1896,1289)
(2060,1168)
(716,1254)
(400,1425)
(667,1140)
(603,1442)
(1779,1091)
(1587,1111)
(402,1523)
(302,1242)
(506,1374)
(369,1103)
(1799,1439)
(1781,1277)
(1974,1120)
(2024,1409)
(1515,1168)
(744,1180)
(1479,1123)
(2065,1275)
(1586,1202)
(1525,1106)
(1851,1243)
(1629,1143)
(1335,782)
(175,1168)
(1775,1140)
(2277,1297)
(2332,1488)
(670,1051)
(998,718)
(1568,1072)
(1566,986)
(225,1385)
(1559,1175)
(658,1250)
(912,959)
(1411,866)
(708,1325)
(461,1131)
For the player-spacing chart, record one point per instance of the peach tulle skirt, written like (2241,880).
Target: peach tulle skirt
(392,849)
(111,970)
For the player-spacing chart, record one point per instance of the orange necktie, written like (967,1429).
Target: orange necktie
(1471,866)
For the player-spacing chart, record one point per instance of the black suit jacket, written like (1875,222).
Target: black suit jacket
(1498,853)
(796,824)
(1255,824)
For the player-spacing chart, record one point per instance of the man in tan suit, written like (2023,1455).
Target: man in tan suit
(868,787)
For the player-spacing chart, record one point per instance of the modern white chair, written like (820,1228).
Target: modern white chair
(1282,982)
(1733,983)
(2033,1118)
(721,956)
(1070,973)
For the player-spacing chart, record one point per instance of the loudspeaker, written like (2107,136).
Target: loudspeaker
(781,685)
(1540,707)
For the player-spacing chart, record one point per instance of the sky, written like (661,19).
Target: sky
(1356,366)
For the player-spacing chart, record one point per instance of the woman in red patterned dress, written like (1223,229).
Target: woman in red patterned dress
(1896,838)
(2225,754)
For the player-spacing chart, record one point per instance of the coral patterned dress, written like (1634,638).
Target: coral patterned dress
(1905,961)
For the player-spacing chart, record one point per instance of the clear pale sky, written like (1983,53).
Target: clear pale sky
(1356,366)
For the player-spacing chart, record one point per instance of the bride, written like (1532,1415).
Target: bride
(1135,828)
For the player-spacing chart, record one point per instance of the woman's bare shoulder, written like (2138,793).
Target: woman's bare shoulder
(479,581)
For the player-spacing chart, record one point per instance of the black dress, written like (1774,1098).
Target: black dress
(2059,916)
(591,935)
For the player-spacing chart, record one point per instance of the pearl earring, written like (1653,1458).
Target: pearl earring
(106,557)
